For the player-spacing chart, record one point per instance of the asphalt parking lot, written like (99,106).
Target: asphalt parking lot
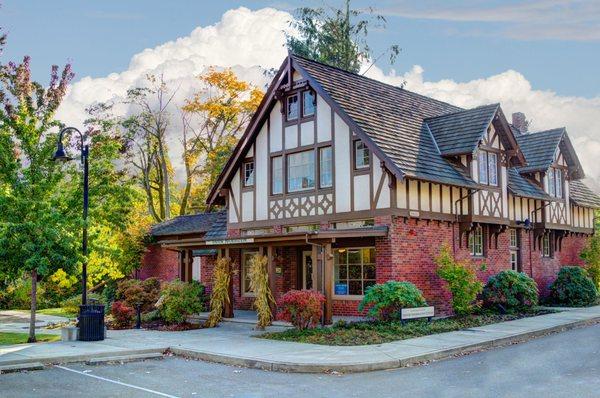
(559,365)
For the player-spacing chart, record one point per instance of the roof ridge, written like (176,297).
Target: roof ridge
(496,104)
(374,80)
(563,129)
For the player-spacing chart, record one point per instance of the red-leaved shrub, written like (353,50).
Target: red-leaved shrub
(303,308)
(123,315)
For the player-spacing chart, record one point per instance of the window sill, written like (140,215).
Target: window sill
(348,297)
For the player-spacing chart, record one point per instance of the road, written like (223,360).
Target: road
(559,365)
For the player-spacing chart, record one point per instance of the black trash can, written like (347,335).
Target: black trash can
(91,322)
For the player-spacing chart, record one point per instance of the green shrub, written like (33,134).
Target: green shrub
(17,295)
(179,299)
(591,255)
(510,290)
(71,305)
(109,293)
(462,281)
(385,300)
(573,287)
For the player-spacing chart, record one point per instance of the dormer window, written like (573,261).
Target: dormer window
(555,182)
(308,103)
(361,155)
(488,167)
(249,174)
(292,107)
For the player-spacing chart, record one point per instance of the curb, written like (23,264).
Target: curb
(20,367)
(256,363)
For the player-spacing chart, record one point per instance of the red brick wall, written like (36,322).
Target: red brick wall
(160,263)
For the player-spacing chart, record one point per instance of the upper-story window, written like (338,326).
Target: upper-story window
(292,107)
(546,249)
(308,103)
(362,158)
(476,241)
(488,167)
(555,182)
(277,175)
(301,171)
(325,167)
(249,174)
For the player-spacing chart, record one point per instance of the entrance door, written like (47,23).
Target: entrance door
(307,269)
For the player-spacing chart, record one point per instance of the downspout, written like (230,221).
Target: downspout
(456,217)
(322,251)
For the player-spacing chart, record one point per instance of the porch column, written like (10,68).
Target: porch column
(189,260)
(316,261)
(328,284)
(272,277)
(228,307)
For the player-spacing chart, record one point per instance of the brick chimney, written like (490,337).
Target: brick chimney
(519,121)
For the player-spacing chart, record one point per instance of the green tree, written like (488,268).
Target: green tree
(36,234)
(337,37)
(591,254)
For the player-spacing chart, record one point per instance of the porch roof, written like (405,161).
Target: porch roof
(292,238)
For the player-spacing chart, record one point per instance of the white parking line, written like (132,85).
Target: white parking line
(116,382)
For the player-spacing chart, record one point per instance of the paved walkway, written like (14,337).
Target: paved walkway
(18,321)
(234,344)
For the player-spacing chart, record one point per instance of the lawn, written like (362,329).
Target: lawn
(57,312)
(7,338)
(359,333)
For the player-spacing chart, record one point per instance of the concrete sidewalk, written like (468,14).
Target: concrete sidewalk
(234,344)
(18,321)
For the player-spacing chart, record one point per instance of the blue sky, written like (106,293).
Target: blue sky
(555,44)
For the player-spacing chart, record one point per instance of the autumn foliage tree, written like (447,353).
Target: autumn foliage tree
(36,234)
(213,121)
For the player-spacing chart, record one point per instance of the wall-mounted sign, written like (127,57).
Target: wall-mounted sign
(278,270)
(413,213)
(341,289)
(220,242)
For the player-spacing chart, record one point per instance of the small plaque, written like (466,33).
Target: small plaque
(278,270)
(341,289)
(414,313)
(414,213)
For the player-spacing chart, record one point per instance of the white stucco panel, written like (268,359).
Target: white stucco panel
(361,192)
(307,133)
(291,136)
(323,120)
(247,206)
(275,129)
(342,165)
(261,165)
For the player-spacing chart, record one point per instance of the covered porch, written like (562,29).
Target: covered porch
(296,260)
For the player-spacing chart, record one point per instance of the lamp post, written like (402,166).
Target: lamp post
(61,156)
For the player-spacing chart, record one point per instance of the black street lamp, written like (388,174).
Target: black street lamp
(61,156)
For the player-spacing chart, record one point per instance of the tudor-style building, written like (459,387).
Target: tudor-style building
(344,182)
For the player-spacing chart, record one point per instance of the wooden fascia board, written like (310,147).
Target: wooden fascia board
(578,172)
(249,134)
(511,136)
(390,165)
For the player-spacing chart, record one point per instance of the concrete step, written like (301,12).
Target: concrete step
(21,367)
(125,358)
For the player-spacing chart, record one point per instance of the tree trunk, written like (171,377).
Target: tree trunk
(31,338)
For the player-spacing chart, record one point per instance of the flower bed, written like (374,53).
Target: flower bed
(360,333)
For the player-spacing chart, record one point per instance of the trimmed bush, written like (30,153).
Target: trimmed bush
(71,305)
(179,300)
(385,300)
(302,308)
(135,292)
(510,290)
(123,315)
(573,288)
(462,281)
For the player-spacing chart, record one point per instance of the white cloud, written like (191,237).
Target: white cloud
(251,41)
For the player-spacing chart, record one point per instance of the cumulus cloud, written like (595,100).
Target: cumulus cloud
(251,41)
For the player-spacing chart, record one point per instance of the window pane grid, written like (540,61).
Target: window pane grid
(277,175)
(355,268)
(249,174)
(493,168)
(301,171)
(325,167)
(292,107)
(308,103)
(361,155)
(482,162)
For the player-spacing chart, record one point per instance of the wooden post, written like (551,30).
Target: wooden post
(315,268)
(189,260)
(228,307)
(272,277)
(328,284)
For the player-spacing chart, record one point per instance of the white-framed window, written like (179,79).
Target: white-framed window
(558,176)
(308,103)
(276,175)
(354,270)
(361,155)
(247,255)
(325,167)
(476,241)
(482,162)
(514,240)
(551,182)
(292,107)
(488,167)
(514,260)
(546,250)
(249,174)
(301,171)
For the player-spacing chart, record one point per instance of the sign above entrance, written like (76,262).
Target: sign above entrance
(220,242)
